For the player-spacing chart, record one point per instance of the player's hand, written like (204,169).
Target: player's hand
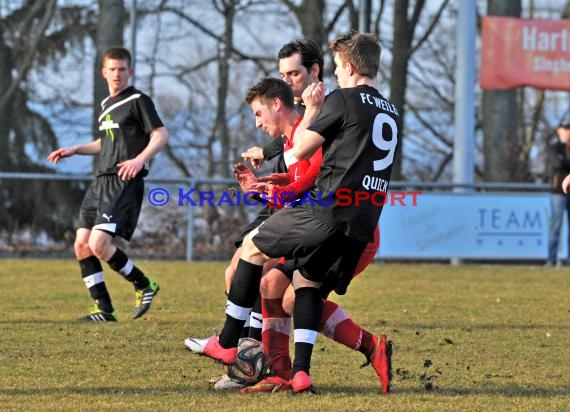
(61,153)
(279,179)
(566,184)
(129,168)
(245,177)
(268,189)
(314,95)
(254,155)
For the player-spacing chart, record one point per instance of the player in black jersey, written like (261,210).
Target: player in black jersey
(130,135)
(300,64)
(357,129)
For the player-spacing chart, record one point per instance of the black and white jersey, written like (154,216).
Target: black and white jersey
(360,128)
(125,123)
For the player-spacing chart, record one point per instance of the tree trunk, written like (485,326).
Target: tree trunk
(5,116)
(398,74)
(221,130)
(112,17)
(310,14)
(404,28)
(503,144)
(13,73)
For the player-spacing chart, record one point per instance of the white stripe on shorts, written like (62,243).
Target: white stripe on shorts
(253,232)
(107,227)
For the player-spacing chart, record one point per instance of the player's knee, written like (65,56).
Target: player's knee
(265,286)
(273,284)
(289,303)
(96,248)
(81,244)
(100,247)
(81,249)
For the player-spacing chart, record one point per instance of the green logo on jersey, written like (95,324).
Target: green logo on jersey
(108,126)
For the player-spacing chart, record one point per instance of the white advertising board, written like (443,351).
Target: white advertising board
(470,226)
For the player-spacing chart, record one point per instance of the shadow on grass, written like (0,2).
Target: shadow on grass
(511,391)
(485,326)
(400,326)
(74,321)
(104,390)
(63,322)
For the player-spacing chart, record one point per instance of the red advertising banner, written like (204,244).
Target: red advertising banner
(517,52)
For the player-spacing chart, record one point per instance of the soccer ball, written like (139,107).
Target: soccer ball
(250,365)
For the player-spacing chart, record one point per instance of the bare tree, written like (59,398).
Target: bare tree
(109,32)
(21,35)
(310,14)
(213,126)
(405,25)
(215,75)
(33,36)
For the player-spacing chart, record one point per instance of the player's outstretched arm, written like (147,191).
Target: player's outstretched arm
(91,148)
(60,153)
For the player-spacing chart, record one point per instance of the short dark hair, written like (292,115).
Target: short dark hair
(270,88)
(310,53)
(361,50)
(118,53)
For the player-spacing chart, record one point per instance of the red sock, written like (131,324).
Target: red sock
(336,325)
(275,335)
(367,345)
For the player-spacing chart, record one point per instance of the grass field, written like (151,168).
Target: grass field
(465,338)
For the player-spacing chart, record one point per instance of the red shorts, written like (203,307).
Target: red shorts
(369,253)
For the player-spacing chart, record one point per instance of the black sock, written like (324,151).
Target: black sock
(243,293)
(121,263)
(307,315)
(92,274)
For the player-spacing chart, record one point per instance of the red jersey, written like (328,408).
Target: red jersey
(302,173)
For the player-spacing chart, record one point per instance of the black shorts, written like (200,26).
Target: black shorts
(318,250)
(261,217)
(112,205)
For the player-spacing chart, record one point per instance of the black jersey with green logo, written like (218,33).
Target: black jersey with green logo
(360,128)
(125,123)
